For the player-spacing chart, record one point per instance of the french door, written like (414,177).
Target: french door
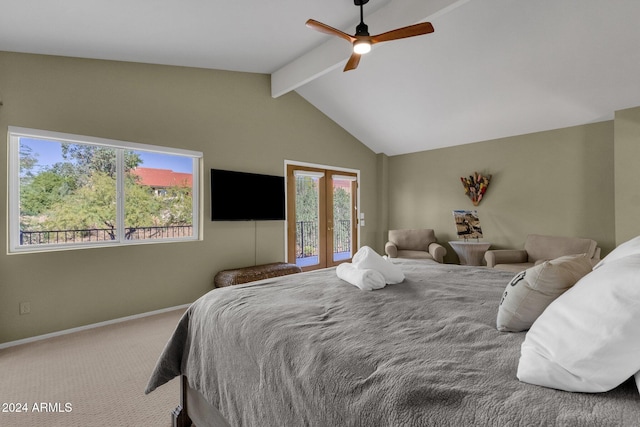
(322,216)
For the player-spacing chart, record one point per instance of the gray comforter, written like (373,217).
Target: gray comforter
(312,350)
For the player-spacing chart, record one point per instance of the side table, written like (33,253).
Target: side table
(470,253)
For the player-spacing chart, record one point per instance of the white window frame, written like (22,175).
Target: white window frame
(13,171)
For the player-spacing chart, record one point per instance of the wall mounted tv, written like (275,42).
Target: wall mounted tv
(242,196)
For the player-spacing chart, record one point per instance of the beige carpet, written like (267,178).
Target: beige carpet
(90,378)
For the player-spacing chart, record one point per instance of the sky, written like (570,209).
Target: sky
(49,153)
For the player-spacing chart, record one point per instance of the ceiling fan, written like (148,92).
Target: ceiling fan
(362,41)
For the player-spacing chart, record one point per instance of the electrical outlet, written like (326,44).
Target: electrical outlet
(25,307)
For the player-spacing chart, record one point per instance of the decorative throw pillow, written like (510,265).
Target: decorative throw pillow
(588,340)
(630,247)
(531,291)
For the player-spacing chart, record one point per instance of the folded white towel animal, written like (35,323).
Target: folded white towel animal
(367,279)
(367,258)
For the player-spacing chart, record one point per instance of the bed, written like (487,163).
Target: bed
(310,349)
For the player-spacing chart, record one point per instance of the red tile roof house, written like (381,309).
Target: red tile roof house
(160,179)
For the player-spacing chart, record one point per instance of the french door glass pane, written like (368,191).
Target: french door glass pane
(342,219)
(307,221)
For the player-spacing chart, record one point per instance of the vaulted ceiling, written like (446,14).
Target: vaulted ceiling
(491,69)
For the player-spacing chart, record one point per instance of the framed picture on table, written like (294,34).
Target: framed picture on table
(467,224)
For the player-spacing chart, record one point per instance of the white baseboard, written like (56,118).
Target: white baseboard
(91,326)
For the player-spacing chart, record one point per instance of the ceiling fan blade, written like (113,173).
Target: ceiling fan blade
(353,62)
(324,28)
(404,32)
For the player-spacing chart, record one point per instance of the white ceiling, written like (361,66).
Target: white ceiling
(493,68)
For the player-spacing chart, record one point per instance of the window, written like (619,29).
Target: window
(70,191)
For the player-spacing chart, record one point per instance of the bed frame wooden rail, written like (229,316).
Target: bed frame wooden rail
(180,416)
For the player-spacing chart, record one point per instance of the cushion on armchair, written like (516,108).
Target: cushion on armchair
(542,248)
(539,248)
(414,244)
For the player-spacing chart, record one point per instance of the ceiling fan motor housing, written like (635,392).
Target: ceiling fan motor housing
(362,29)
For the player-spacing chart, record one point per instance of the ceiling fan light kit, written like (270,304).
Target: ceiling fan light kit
(362,41)
(361,47)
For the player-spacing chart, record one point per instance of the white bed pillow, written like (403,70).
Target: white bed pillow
(531,291)
(630,247)
(588,339)
(638,380)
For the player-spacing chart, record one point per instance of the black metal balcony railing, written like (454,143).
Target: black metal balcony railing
(307,238)
(49,237)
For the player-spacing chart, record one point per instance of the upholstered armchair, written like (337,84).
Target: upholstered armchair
(414,244)
(538,248)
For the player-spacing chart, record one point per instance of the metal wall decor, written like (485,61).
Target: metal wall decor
(475,186)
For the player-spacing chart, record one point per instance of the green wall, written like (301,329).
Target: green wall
(230,117)
(627,158)
(577,181)
(558,182)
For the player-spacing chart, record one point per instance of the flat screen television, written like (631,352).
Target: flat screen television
(242,196)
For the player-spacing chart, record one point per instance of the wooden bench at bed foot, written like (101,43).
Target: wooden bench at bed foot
(250,274)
